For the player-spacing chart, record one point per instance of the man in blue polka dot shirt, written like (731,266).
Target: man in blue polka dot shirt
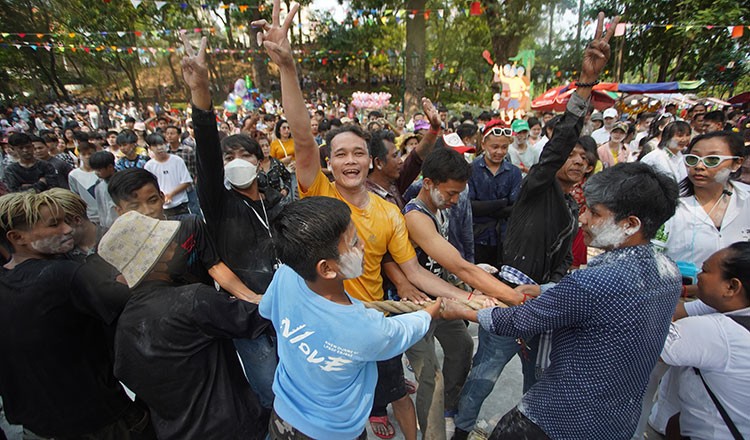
(609,321)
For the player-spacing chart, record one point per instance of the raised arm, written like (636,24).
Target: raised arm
(274,38)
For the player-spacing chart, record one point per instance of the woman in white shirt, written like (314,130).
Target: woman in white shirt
(717,346)
(668,157)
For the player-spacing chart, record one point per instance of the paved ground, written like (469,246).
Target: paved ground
(505,396)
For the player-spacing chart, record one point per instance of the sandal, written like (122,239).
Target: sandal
(411,387)
(382,420)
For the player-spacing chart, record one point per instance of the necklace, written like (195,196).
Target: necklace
(267,226)
(710,211)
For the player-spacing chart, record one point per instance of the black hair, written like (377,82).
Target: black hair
(155,139)
(101,160)
(376,145)
(736,264)
(444,164)
(348,128)
(534,121)
(372,124)
(50,137)
(173,126)
(589,146)
(484,116)
(277,130)
(19,139)
(81,136)
(671,104)
(715,116)
(324,125)
(129,119)
(736,146)
(127,136)
(374,114)
(85,146)
(673,129)
(35,138)
(321,113)
(235,141)
(319,223)
(645,115)
(466,130)
(110,133)
(335,122)
(125,183)
(634,189)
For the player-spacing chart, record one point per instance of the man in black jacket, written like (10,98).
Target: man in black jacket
(28,173)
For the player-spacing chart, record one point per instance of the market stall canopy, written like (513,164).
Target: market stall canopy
(740,99)
(663,87)
(556,99)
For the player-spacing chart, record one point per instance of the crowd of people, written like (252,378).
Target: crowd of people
(185,275)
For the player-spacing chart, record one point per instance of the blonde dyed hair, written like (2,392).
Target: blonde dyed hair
(68,201)
(23,209)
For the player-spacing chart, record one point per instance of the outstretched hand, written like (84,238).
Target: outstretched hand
(431,114)
(598,52)
(274,36)
(194,67)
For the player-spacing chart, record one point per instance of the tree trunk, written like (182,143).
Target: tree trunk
(132,76)
(505,41)
(228,27)
(176,78)
(415,57)
(551,22)
(664,60)
(578,29)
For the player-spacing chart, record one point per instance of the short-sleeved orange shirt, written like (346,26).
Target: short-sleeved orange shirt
(382,228)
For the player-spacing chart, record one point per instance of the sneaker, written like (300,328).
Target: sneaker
(450,427)
(459,434)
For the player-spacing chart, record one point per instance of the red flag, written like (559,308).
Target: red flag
(475,8)
(737,31)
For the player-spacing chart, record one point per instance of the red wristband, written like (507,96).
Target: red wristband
(684,291)
(433,131)
(470,294)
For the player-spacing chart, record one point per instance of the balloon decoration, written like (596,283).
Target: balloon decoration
(244,95)
(362,100)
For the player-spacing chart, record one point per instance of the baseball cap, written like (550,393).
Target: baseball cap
(453,140)
(597,116)
(610,113)
(620,126)
(519,125)
(139,126)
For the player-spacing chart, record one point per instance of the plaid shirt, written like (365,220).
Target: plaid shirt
(187,154)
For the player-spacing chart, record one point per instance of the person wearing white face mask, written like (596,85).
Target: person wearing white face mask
(173,176)
(238,206)
(668,157)
(328,341)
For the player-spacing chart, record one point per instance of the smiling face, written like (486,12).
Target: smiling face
(349,160)
(495,149)
(704,177)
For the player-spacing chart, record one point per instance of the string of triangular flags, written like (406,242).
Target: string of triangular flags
(736,31)
(322,56)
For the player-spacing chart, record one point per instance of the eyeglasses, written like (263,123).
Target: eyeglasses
(712,161)
(499,131)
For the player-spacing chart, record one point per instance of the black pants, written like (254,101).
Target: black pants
(516,426)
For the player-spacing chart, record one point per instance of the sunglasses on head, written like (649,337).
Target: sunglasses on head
(499,131)
(711,161)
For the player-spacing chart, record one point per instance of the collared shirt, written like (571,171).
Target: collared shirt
(484,185)
(609,324)
(187,154)
(720,348)
(390,194)
(667,162)
(692,235)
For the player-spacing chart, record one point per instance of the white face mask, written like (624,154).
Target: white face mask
(240,173)
(350,263)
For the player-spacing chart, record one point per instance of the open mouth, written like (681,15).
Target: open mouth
(351,173)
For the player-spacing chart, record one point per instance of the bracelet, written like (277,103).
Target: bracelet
(591,84)
(526,297)
(433,131)
(470,294)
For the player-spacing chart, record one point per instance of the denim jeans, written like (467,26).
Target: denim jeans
(259,361)
(193,205)
(493,353)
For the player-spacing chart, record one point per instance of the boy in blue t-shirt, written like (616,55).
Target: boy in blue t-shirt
(328,342)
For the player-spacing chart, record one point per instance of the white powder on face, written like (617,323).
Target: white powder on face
(607,234)
(57,244)
(350,264)
(722,176)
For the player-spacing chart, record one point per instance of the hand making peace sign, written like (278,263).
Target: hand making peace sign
(597,53)
(274,36)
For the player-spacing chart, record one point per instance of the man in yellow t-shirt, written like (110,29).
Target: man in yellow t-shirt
(379,224)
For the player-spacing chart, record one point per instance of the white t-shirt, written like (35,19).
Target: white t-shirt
(692,235)
(600,135)
(170,174)
(720,348)
(667,163)
(529,157)
(84,184)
